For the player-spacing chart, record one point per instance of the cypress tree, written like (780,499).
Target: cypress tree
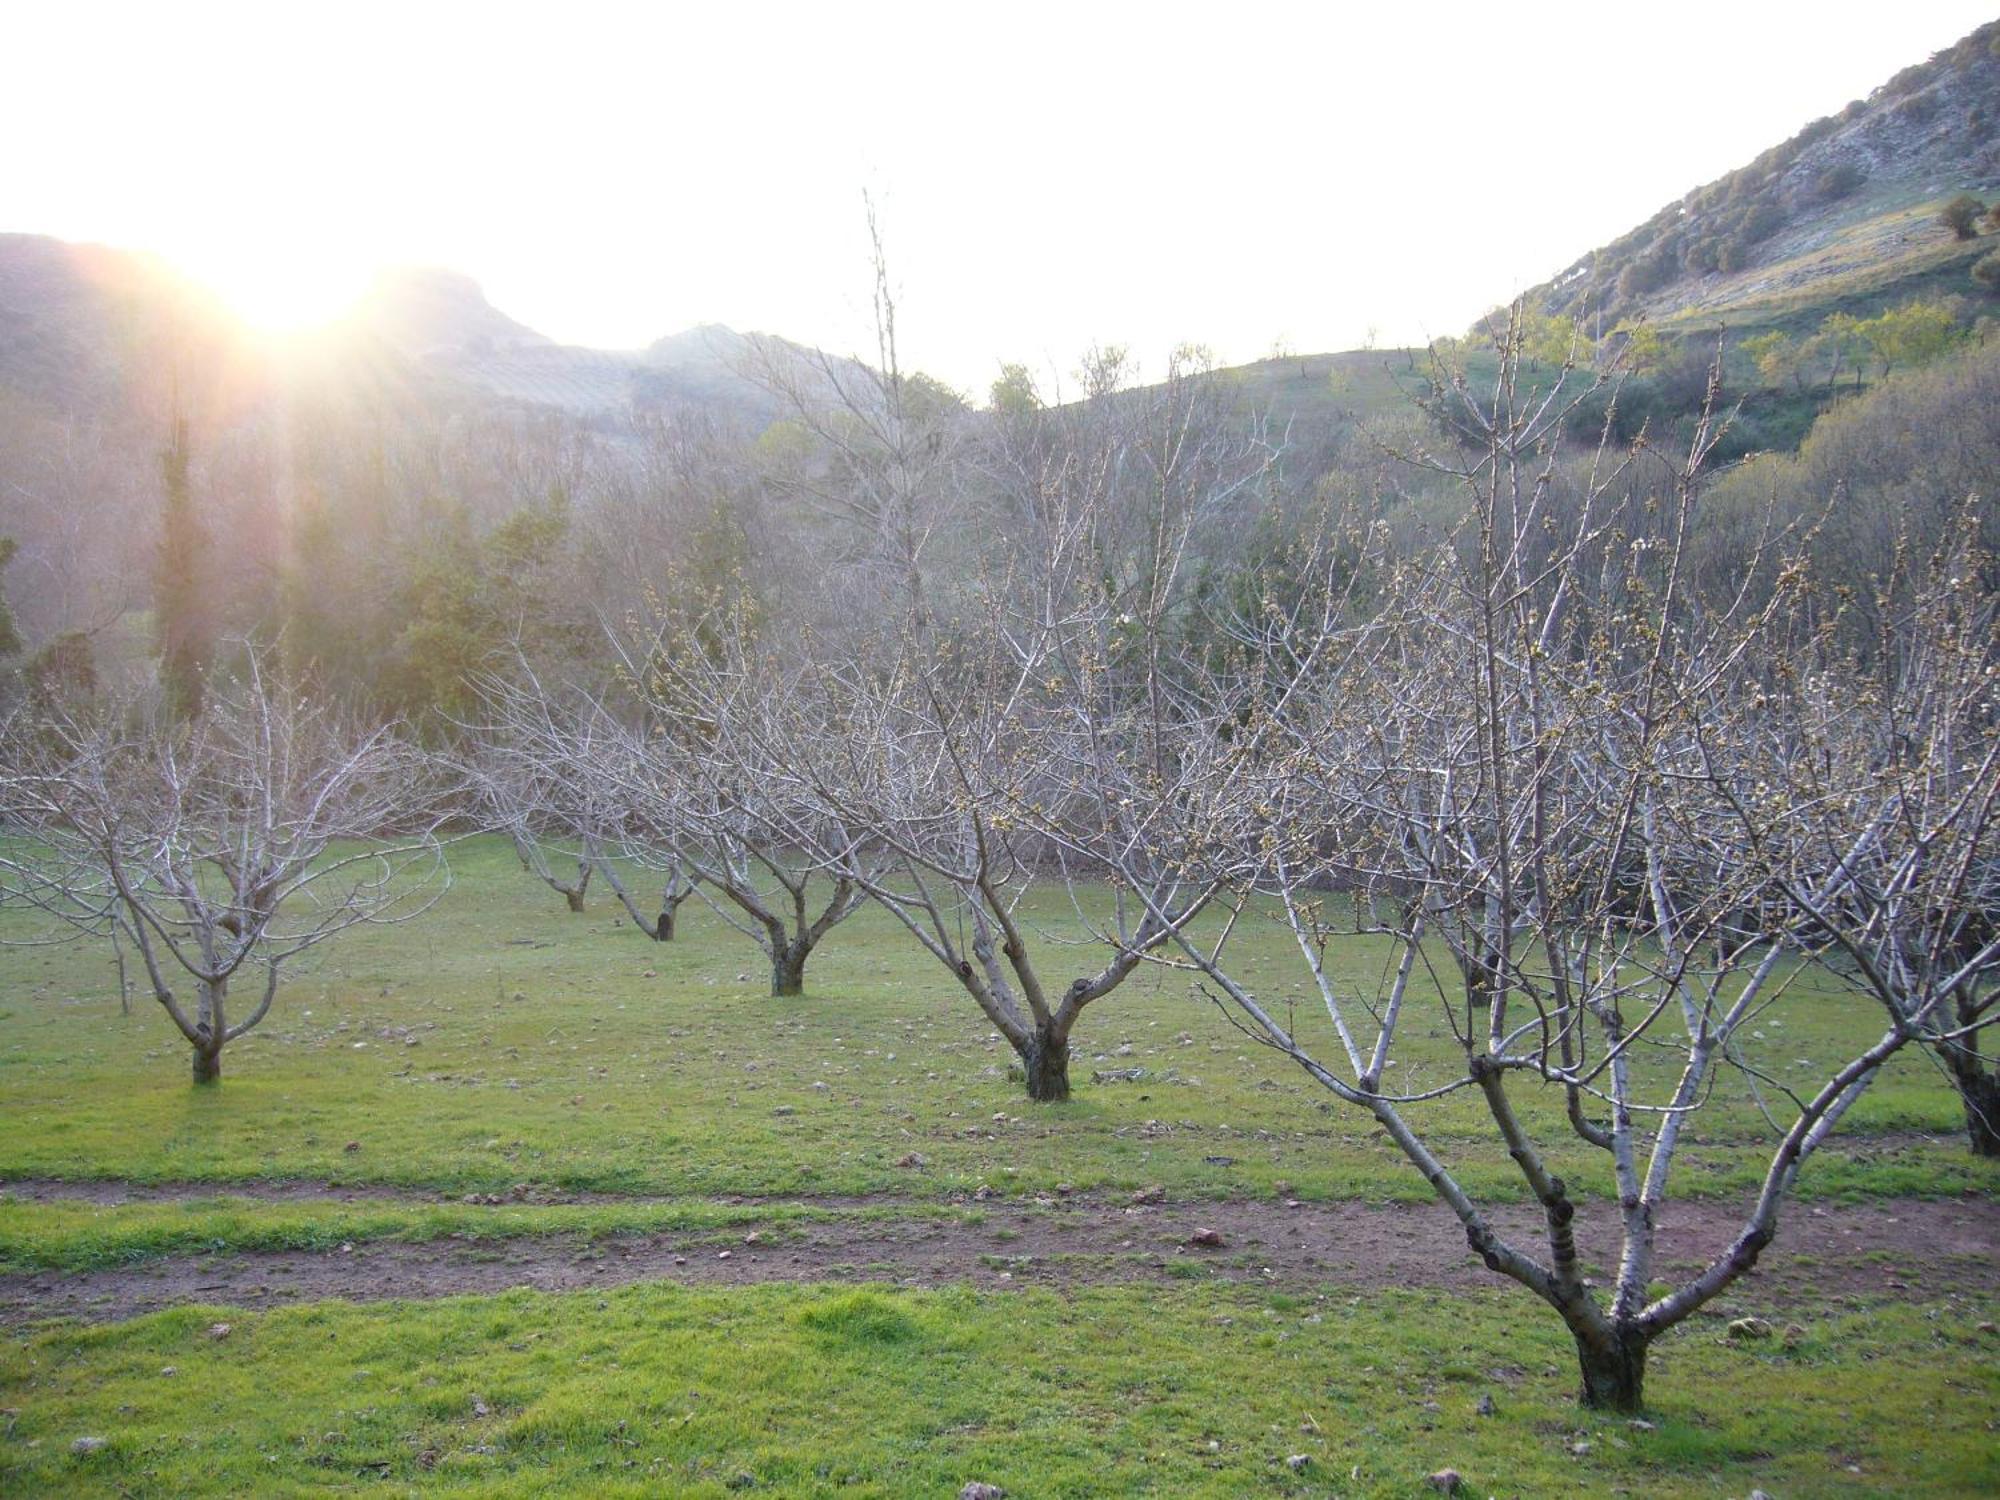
(181,612)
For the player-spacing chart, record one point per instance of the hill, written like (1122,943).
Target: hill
(1843,215)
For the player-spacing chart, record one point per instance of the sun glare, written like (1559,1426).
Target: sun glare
(279,293)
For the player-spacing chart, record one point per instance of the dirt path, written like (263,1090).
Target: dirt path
(1896,1249)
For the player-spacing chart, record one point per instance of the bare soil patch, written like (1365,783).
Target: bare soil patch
(1891,1250)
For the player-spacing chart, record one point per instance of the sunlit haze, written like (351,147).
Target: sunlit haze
(1047,175)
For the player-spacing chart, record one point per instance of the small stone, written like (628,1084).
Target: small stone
(83,1447)
(1749,1328)
(977,1490)
(480,1408)
(913,1159)
(1298,1463)
(351,1147)
(1445,1481)
(753,1238)
(1209,1238)
(784,1109)
(170,1369)
(1580,1447)
(740,1482)
(1640,1424)
(1989,1329)
(218,1331)
(1485,1408)
(724,1254)
(1759,1495)
(650,974)
(1150,1195)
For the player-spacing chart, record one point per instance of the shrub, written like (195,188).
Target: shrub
(1838,180)
(1763,220)
(1917,108)
(1986,271)
(1961,216)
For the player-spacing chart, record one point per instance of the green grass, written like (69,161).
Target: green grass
(547,1061)
(544,1055)
(877,1392)
(76,1236)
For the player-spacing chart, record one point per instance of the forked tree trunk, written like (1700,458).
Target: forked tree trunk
(1047,1065)
(1614,1371)
(788,970)
(663,930)
(573,894)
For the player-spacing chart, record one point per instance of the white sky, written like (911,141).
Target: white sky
(1048,175)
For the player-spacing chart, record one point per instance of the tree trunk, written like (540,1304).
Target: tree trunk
(574,896)
(208,1062)
(663,930)
(211,1030)
(1980,1093)
(1614,1371)
(788,970)
(1047,1063)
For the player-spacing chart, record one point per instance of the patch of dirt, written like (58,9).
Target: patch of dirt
(1891,1250)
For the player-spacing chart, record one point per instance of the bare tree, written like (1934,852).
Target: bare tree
(1510,767)
(640,783)
(701,805)
(226,845)
(544,807)
(941,758)
(1873,814)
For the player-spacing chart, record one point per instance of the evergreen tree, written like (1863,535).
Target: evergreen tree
(182,614)
(10,638)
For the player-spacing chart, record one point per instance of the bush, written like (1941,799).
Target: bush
(1986,271)
(1838,181)
(1763,220)
(1961,216)
(1917,108)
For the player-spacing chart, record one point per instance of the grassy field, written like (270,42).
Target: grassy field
(819,1391)
(502,1040)
(600,1084)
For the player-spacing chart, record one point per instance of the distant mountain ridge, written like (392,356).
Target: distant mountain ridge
(94,330)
